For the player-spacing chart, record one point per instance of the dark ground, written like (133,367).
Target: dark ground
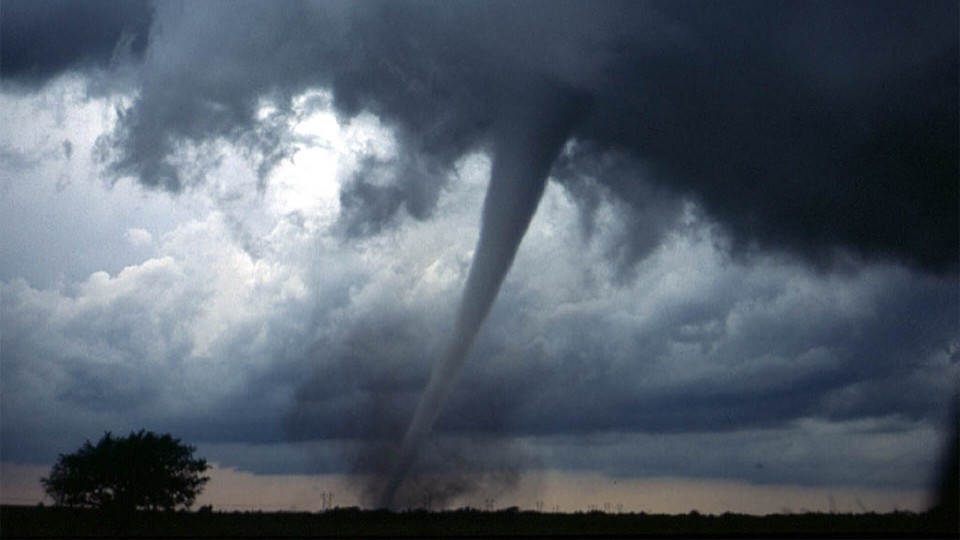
(34,521)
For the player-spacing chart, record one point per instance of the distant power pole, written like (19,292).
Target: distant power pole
(488,505)
(539,505)
(327,498)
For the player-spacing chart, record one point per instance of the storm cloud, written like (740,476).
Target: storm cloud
(42,39)
(800,128)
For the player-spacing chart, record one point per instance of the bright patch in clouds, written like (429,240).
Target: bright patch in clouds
(308,182)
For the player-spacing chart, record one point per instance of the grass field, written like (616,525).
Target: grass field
(35,521)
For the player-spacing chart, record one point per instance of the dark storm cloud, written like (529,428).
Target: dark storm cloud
(645,211)
(412,182)
(801,127)
(42,38)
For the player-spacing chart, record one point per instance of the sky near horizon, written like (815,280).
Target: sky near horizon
(249,224)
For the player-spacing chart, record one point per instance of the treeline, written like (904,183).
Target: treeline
(36,521)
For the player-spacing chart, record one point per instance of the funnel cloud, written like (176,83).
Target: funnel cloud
(525,145)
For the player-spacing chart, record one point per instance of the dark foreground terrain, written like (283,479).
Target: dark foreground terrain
(29,521)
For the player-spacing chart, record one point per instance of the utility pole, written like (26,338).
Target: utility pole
(327,500)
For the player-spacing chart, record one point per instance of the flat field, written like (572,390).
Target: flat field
(35,521)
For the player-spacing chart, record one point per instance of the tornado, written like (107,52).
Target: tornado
(526,142)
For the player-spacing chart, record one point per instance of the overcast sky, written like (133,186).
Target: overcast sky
(250,224)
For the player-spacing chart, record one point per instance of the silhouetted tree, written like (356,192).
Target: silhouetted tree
(141,471)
